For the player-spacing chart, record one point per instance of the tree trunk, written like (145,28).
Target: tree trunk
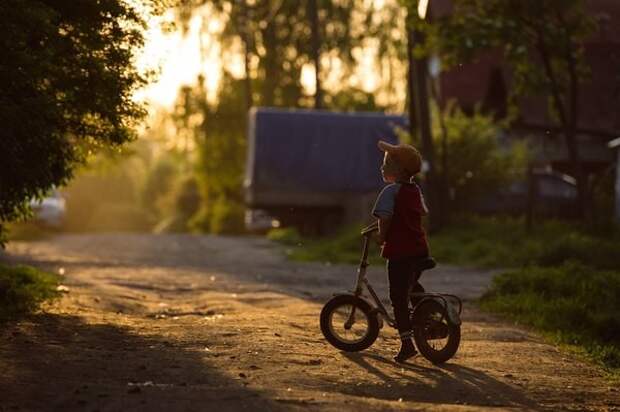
(247,47)
(270,64)
(571,133)
(313,13)
(568,121)
(444,188)
(420,82)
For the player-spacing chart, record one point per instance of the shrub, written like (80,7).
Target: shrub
(227,217)
(287,236)
(23,289)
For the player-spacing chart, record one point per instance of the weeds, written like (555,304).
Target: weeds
(572,303)
(23,289)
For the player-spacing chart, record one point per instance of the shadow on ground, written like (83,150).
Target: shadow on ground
(445,384)
(52,362)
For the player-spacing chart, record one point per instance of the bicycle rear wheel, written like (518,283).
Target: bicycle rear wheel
(346,331)
(436,338)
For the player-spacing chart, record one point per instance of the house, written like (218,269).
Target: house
(314,169)
(486,81)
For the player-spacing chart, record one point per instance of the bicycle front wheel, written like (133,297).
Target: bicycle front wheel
(349,323)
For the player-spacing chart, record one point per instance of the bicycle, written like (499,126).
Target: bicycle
(435,318)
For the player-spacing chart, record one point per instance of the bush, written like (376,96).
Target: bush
(23,289)
(220,215)
(504,242)
(574,304)
(287,236)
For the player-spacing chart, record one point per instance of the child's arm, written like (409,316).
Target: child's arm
(384,209)
(384,226)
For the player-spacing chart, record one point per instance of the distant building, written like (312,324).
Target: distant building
(487,81)
(314,169)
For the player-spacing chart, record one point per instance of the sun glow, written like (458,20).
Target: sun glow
(179,58)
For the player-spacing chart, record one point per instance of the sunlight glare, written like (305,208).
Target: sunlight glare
(179,59)
(422,8)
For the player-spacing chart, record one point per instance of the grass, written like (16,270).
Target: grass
(505,243)
(23,289)
(343,247)
(565,281)
(572,304)
(478,242)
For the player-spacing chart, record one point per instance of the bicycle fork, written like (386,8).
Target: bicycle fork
(361,275)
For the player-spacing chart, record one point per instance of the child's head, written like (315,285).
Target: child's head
(400,163)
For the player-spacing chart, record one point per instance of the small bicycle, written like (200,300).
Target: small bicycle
(350,323)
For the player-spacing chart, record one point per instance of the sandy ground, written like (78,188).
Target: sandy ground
(203,323)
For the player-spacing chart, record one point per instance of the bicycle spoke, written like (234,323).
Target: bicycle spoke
(358,330)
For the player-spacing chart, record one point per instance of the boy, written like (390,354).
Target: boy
(399,209)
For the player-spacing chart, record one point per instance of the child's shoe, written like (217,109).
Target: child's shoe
(406,351)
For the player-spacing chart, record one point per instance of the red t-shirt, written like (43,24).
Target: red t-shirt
(405,204)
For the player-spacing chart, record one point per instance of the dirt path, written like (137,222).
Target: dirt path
(200,323)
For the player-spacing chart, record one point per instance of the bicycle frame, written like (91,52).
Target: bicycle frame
(362,282)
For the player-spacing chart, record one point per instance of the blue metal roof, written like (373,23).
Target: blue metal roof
(316,151)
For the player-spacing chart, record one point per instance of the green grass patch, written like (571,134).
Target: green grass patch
(505,242)
(23,289)
(476,241)
(574,304)
(344,247)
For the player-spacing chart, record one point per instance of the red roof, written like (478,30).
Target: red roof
(599,96)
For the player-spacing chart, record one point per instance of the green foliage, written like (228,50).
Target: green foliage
(543,44)
(67,74)
(344,247)
(287,236)
(277,39)
(495,242)
(226,217)
(219,133)
(505,242)
(23,289)
(526,31)
(472,163)
(575,304)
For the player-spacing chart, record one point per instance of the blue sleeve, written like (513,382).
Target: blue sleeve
(384,206)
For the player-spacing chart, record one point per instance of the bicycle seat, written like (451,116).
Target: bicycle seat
(423,264)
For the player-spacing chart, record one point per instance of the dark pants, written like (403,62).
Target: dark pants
(403,279)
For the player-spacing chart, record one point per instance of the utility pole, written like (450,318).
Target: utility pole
(419,115)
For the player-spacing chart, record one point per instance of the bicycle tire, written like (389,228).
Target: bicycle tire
(342,300)
(421,316)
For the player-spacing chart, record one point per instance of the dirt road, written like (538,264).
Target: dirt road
(202,323)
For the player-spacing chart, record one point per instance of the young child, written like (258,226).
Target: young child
(399,209)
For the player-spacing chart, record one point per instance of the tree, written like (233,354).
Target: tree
(67,77)
(279,38)
(543,44)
